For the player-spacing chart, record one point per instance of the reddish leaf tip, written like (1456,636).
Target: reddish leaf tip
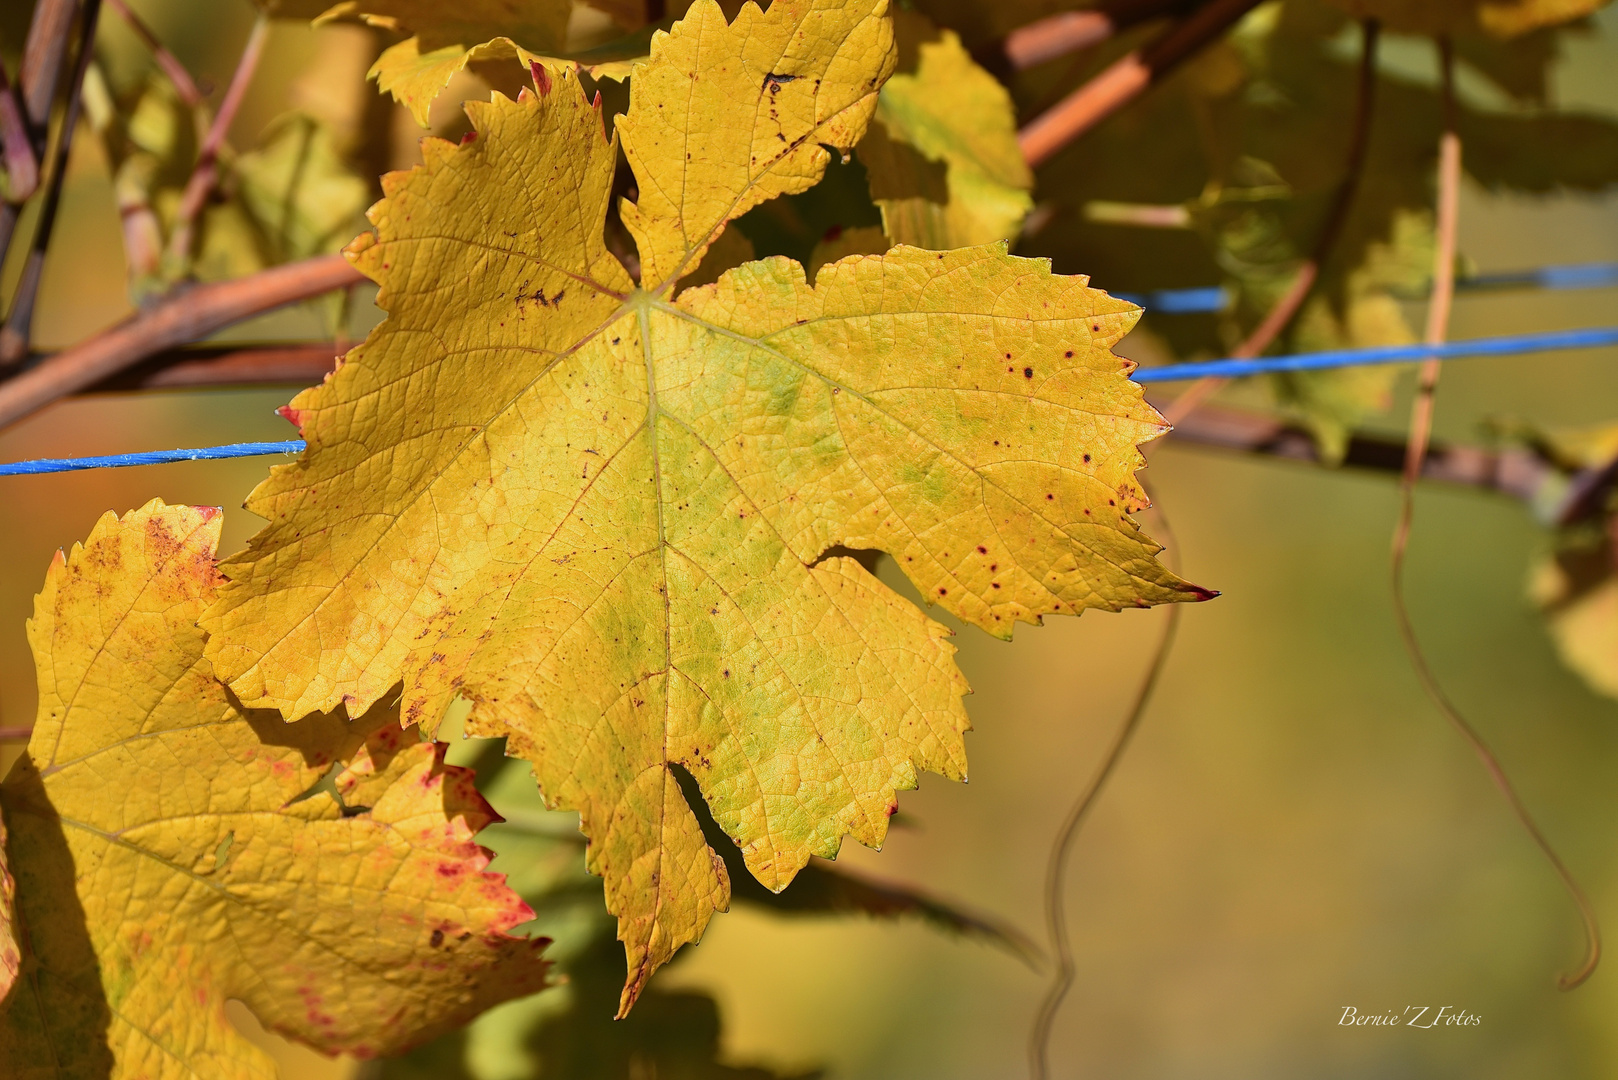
(542,78)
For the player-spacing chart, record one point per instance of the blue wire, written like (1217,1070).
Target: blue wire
(1577,276)
(1224,369)
(1180,301)
(1386,354)
(1213,299)
(150,457)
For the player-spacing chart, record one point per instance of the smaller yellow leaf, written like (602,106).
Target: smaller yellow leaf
(1583,620)
(415,78)
(725,117)
(297,188)
(171,852)
(942,152)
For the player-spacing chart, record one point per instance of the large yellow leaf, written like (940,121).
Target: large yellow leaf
(614,519)
(165,862)
(943,114)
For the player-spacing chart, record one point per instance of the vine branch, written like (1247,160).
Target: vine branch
(1280,316)
(1067,32)
(1421,417)
(184,85)
(22,166)
(188,316)
(205,174)
(46,45)
(20,319)
(1125,79)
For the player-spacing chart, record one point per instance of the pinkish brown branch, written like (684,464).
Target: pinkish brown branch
(1280,316)
(205,174)
(1124,80)
(184,85)
(22,166)
(46,45)
(189,316)
(1067,32)
(20,319)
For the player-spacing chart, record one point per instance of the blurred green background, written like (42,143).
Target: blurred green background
(1295,829)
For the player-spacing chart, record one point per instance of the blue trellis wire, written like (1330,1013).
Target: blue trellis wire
(1217,298)
(1514,344)
(1383,354)
(150,457)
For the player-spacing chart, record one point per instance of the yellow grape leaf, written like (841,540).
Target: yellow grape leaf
(165,862)
(415,78)
(1501,18)
(297,188)
(613,518)
(1332,404)
(724,118)
(446,37)
(1581,609)
(1576,585)
(942,156)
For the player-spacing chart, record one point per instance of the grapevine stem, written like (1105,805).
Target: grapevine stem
(1421,417)
(1055,892)
(1067,32)
(20,319)
(22,166)
(48,34)
(184,85)
(1303,281)
(205,174)
(191,314)
(1125,79)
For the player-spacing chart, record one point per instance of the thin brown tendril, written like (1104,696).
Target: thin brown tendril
(1039,1036)
(1421,421)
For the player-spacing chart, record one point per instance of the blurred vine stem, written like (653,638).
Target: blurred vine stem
(1421,419)
(20,317)
(46,45)
(1280,316)
(22,167)
(185,87)
(1055,891)
(1125,79)
(205,173)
